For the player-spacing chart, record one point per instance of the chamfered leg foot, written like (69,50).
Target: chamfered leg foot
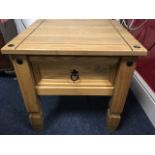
(36,121)
(113,121)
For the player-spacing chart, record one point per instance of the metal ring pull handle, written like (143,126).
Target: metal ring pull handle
(74,75)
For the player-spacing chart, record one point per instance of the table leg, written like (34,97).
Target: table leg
(27,85)
(121,88)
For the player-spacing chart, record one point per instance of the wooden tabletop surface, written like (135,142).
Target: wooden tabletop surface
(75,37)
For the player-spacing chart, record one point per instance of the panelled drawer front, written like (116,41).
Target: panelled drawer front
(74,71)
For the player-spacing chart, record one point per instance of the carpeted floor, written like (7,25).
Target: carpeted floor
(68,115)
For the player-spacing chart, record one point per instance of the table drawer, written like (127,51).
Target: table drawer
(76,74)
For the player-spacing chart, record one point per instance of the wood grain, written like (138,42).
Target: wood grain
(36,121)
(52,74)
(129,39)
(27,86)
(75,91)
(20,38)
(101,51)
(113,120)
(121,85)
(75,37)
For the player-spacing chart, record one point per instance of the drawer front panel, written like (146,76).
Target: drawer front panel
(74,72)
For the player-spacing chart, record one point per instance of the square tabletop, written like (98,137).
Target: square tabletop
(75,37)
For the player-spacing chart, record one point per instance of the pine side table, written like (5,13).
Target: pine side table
(74,57)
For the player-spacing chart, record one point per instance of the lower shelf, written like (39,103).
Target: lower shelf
(70,90)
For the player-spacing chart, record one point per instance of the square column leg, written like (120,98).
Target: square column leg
(27,85)
(121,88)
